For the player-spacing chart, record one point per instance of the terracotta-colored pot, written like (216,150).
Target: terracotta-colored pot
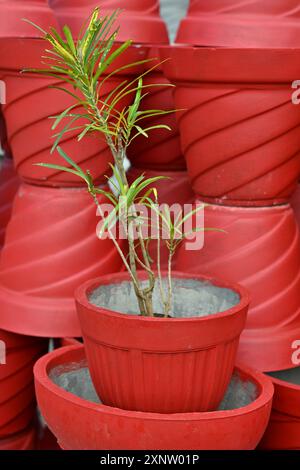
(26,440)
(283,432)
(238,23)
(9,183)
(260,249)
(161,151)
(30,102)
(79,423)
(245,148)
(139,19)
(14,11)
(17,399)
(51,248)
(176,189)
(167,365)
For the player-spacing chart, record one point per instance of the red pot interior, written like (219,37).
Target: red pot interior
(284,428)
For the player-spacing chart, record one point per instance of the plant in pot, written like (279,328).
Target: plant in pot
(155,341)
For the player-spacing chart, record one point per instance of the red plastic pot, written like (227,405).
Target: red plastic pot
(139,20)
(260,249)
(51,248)
(237,23)
(167,365)
(245,150)
(30,102)
(161,151)
(80,424)
(17,398)
(25,440)
(176,189)
(9,183)
(14,11)
(283,432)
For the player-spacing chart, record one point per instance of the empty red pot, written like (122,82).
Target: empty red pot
(283,432)
(26,440)
(260,249)
(79,423)
(17,398)
(13,13)
(240,130)
(161,151)
(139,19)
(30,102)
(160,365)
(51,248)
(9,183)
(238,23)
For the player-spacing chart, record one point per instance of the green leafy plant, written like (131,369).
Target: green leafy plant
(86,64)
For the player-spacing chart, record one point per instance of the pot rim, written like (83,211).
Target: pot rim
(282,383)
(81,296)
(43,367)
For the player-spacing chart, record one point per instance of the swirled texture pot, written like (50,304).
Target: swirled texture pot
(240,131)
(9,183)
(237,23)
(29,104)
(51,247)
(17,398)
(25,440)
(139,20)
(260,249)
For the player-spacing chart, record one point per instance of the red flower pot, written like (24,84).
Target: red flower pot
(245,150)
(9,183)
(161,151)
(260,249)
(174,190)
(241,24)
(3,136)
(283,432)
(14,11)
(79,423)
(17,399)
(167,365)
(139,20)
(25,440)
(51,248)
(30,102)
